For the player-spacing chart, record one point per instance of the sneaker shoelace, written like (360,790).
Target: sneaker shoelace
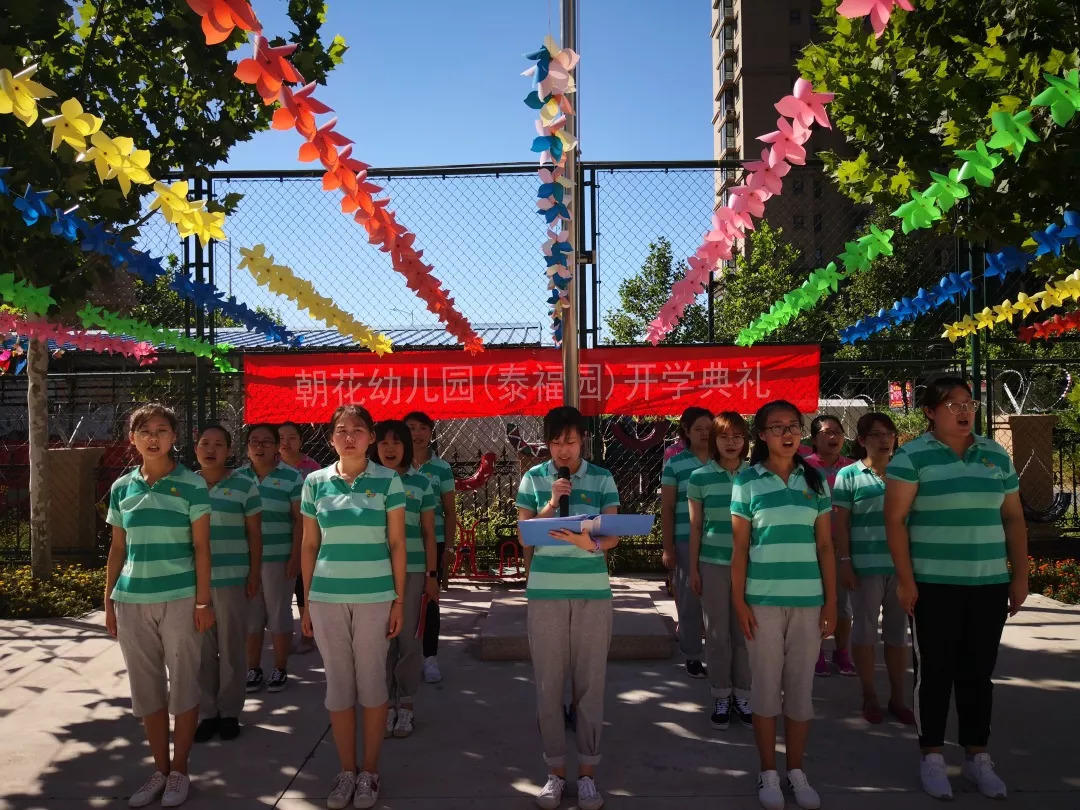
(721,706)
(742,705)
(252,674)
(770,780)
(587,789)
(153,783)
(552,787)
(798,780)
(342,783)
(174,782)
(935,767)
(364,783)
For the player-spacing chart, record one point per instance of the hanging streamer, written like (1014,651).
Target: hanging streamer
(1011,132)
(64,336)
(800,111)
(271,72)
(1053,327)
(1056,294)
(553,82)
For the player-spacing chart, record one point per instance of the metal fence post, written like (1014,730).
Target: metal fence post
(201,364)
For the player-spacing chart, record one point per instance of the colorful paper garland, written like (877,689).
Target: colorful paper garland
(799,112)
(553,82)
(878,11)
(1054,295)
(1052,240)
(64,336)
(1011,133)
(1052,327)
(271,72)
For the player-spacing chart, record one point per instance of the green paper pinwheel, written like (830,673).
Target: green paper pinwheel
(1062,96)
(919,212)
(947,190)
(876,243)
(810,290)
(1012,132)
(20,295)
(826,278)
(979,165)
(854,258)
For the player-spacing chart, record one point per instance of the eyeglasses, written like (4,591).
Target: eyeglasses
(263,443)
(146,435)
(831,433)
(780,430)
(731,439)
(888,435)
(963,407)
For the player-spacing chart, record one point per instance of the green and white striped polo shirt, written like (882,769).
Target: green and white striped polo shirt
(159,563)
(862,492)
(954,525)
(711,486)
(565,571)
(676,473)
(353,565)
(418,498)
(783,568)
(232,499)
(279,490)
(441,476)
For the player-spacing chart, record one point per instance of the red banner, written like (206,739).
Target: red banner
(514,382)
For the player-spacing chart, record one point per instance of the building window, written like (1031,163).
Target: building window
(795,50)
(797,186)
(818,220)
(795,16)
(817,189)
(819,256)
(798,222)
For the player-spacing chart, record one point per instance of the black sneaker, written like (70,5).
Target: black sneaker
(276,682)
(721,716)
(742,708)
(695,669)
(207,729)
(229,728)
(255,679)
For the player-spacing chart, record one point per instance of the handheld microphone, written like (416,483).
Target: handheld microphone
(564,500)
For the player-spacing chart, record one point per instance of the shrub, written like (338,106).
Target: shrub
(72,591)
(1058,579)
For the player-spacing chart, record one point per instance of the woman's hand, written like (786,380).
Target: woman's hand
(907,593)
(305,623)
(562,486)
(668,558)
(110,617)
(846,574)
(292,568)
(204,618)
(396,620)
(827,619)
(1018,593)
(254,584)
(580,539)
(431,588)
(695,580)
(746,618)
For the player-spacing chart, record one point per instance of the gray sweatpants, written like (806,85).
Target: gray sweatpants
(570,637)
(687,604)
(725,644)
(405,653)
(223,672)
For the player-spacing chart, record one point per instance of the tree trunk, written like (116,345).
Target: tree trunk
(37,406)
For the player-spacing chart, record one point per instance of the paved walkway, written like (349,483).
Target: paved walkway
(67,739)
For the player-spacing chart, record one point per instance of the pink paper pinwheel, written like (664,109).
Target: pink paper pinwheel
(766,174)
(787,142)
(879,11)
(804,105)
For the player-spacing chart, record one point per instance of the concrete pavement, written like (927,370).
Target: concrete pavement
(67,738)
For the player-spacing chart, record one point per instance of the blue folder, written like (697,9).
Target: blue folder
(535,532)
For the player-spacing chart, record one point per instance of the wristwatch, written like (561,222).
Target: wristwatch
(433,574)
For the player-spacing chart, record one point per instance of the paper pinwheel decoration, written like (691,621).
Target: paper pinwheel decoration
(1062,96)
(787,142)
(72,126)
(1012,132)
(32,205)
(19,94)
(947,189)
(268,68)
(979,164)
(1049,240)
(879,11)
(118,157)
(298,110)
(804,105)
(221,17)
(921,211)
(766,175)
(1009,260)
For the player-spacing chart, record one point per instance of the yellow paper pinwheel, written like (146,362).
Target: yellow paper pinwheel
(1025,305)
(1070,286)
(967,326)
(19,95)
(1051,296)
(986,319)
(207,225)
(118,157)
(1004,311)
(72,126)
(952,332)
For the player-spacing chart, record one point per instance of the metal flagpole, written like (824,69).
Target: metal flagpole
(570,346)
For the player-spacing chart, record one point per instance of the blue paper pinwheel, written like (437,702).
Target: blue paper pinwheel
(33,206)
(1049,241)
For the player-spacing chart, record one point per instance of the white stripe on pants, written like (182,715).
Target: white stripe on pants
(688,605)
(570,637)
(223,672)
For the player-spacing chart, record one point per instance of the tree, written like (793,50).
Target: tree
(927,87)
(642,295)
(145,68)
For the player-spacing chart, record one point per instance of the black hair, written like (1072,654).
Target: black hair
(151,410)
(400,431)
(262,426)
(819,422)
(419,416)
(760,451)
(865,424)
(561,419)
(354,411)
(217,426)
(937,391)
(689,416)
(294,426)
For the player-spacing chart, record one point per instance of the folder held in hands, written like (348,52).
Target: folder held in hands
(536,532)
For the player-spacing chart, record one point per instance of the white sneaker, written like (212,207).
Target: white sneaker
(588,795)
(805,796)
(768,790)
(431,670)
(391,719)
(367,790)
(404,725)
(935,780)
(341,790)
(176,789)
(980,770)
(150,792)
(551,795)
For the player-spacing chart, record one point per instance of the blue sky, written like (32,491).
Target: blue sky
(430,82)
